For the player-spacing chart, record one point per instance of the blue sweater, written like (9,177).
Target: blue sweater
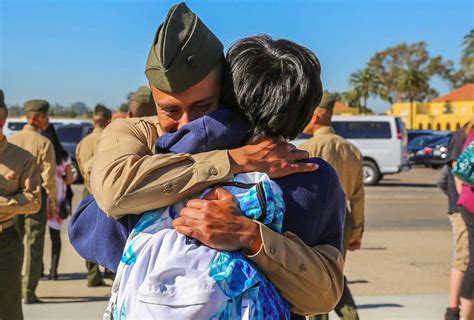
(315,202)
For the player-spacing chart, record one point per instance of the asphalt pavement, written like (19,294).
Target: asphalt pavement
(401,272)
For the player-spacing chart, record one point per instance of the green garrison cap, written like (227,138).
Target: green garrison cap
(2,99)
(328,101)
(37,105)
(101,110)
(183,52)
(142,95)
(141,103)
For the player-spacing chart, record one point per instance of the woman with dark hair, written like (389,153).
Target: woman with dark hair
(64,177)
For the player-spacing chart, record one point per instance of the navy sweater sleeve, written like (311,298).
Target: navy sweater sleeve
(97,237)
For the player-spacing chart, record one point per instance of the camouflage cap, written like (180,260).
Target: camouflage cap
(102,111)
(37,105)
(183,52)
(328,101)
(2,100)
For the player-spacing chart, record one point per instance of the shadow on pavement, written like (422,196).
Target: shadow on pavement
(71,276)
(357,281)
(58,300)
(379,305)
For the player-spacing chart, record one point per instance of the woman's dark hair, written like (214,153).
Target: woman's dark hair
(276,84)
(60,153)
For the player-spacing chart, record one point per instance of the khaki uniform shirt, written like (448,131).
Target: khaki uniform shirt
(127,177)
(20,182)
(348,162)
(30,139)
(85,151)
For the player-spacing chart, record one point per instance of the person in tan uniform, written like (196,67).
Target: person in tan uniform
(87,147)
(128,177)
(20,193)
(141,104)
(347,161)
(34,226)
(85,152)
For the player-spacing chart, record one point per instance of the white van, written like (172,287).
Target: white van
(381,139)
(13,125)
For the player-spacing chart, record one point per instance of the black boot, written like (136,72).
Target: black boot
(53,273)
(451,314)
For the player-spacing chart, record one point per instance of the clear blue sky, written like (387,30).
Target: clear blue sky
(95,51)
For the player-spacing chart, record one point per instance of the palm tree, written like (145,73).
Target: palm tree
(413,84)
(365,83)
(467,59)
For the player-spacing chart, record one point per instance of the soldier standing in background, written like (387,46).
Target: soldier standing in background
(20,193)
(85,152)
(347,161)
(141,104)
(34,226)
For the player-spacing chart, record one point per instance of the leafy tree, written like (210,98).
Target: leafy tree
(364,84)
(15,111)
(467,59)
(391,64)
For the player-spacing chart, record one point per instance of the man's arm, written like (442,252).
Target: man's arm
(48,174)
(309,278)
(28,198)
(128,178)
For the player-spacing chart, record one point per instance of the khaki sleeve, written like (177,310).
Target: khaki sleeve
(357,202)
(28,198)
(81,158)
(48,174)
(310,279)
(128,178)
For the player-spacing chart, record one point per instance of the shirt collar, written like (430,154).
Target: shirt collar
(30,127)
(324,130)
(98,130)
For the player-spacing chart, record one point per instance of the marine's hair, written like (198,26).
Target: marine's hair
(276,83)
(3,112)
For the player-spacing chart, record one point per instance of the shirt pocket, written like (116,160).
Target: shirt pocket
(182,292)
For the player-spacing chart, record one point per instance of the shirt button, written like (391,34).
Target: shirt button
(272,249)
(303,268)
(213,171)
(168,188)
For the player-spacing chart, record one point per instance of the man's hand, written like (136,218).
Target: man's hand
(276,158)
(355,242)
(217,222)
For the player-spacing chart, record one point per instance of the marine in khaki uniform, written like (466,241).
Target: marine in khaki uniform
(20,194)
(184,69)
(34,226)
(141,104)
(85,152)
(347,161)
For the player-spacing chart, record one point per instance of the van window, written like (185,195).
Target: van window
(16,126)
(363,129)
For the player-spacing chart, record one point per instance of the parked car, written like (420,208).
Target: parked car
(434,154)
(381,139)
(419,143)
(70,135)
(14,125)
(413,134)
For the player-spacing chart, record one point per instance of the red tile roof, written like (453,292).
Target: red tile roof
(464,93)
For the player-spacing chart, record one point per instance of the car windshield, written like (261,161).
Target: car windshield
(424,140)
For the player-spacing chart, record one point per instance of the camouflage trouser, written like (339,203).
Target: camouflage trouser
(11,260)
(346,308)
(33,226)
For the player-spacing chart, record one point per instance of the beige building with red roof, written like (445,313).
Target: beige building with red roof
(448,112)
